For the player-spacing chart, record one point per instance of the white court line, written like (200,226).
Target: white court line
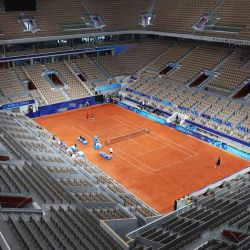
(165,166)
(166,145)
(137,144)
(131,163)
(133,158)
(174,163)
(83,127)
(122,125)
(112,128)
(150,151)
(142,169)
(90,123)
(159,137)
(162,139)
(141,146)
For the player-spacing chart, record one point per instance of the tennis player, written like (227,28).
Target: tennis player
(111,150)
(92,117)
(218,163)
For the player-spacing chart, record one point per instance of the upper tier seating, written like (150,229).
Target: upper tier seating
(50,16)
(136,58)
(231,74)
(174,16)
(197,61)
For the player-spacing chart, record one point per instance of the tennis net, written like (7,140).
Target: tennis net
(127,136)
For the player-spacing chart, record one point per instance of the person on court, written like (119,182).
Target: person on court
(111,151)
(82,138)
(92,117)
(86,104)
(87,116)
(218,163)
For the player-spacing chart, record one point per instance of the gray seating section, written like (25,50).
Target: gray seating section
(69,197)
(200,225)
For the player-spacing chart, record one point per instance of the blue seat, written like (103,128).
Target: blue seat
(105,156)
(84,142)
(74,148)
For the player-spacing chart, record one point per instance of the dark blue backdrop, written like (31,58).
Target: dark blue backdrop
(64,106)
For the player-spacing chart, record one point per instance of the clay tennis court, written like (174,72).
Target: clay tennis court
(158,167)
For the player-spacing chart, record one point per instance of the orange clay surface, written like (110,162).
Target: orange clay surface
(158,167)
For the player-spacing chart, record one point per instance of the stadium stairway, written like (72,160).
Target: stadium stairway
(102,69)
(75,70)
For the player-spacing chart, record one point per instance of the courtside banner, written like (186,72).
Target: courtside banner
(108,87)
(215,143)
(218,133)
(17,104)
(142,113)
